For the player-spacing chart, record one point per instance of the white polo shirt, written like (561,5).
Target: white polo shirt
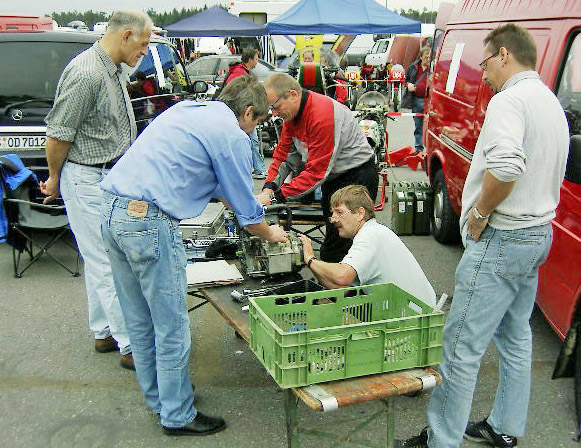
(379,256)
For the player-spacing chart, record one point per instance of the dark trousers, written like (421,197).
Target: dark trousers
(334,248)
(418,106)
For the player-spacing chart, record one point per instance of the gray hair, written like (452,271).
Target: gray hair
(137,21)
(242,92)
(282,83)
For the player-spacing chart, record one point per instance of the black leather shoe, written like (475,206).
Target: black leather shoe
(202,425)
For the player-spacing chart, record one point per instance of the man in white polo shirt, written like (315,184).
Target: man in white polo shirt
(377,254)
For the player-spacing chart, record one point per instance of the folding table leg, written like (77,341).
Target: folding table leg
(290,406)
(390,421)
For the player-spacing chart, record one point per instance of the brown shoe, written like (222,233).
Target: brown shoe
(126,361)
(106,345)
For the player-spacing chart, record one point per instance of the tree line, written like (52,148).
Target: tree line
(161,19)
(423,16)
(166,18)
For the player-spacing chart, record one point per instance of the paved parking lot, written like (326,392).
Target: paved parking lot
(56,391)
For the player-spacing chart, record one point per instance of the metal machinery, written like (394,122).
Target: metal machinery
(261,258)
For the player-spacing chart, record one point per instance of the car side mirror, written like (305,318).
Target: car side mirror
(573,173)
(200,86)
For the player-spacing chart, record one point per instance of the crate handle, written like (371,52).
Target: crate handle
(365,335)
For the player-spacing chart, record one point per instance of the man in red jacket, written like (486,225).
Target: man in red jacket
(249,60)
(322,138)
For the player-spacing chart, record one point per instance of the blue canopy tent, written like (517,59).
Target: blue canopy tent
(341,17)
(166,57)
(215,22)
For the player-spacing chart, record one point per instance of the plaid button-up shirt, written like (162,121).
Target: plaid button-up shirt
(92,109)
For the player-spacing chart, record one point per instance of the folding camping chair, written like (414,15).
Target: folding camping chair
(30,221)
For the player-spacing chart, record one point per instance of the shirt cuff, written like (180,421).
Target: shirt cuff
(61,133)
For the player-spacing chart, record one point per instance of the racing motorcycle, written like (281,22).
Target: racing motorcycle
(396,81)
(372,113)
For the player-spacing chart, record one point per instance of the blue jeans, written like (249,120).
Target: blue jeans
(149,269)
(258,165)
(496,284)
(418,106)
(83,198)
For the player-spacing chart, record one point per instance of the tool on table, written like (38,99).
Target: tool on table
(242,297)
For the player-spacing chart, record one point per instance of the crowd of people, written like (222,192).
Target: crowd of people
(126,194)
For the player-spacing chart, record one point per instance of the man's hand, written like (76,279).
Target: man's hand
(264,197)
(50,188)
(308,251)
(475,227)
(411,87)
(277,234)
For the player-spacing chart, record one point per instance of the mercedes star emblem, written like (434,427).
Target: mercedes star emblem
(17,115)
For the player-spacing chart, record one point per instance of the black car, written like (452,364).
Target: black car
(214,68)
(32,63)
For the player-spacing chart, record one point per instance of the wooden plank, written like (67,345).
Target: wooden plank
(368,388)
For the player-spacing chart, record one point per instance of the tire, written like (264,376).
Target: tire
(396,102)
(578,376)
(445,226)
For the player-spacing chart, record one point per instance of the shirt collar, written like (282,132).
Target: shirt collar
(304,97)
(110,66)
(527,74)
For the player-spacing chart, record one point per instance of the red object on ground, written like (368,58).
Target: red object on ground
(379,207)
(397,156)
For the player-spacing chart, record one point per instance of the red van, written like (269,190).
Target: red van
(455,113)
(25,23)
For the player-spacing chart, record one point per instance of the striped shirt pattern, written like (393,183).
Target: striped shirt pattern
(92,109)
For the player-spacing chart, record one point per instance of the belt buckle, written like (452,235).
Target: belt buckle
(137,209)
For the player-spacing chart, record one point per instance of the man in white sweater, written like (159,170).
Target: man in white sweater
(377,255)
(509,199)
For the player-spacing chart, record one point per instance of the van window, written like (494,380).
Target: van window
(202,66)
(569,92)
(34,68)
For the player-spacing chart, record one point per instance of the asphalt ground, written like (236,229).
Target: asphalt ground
(57,392)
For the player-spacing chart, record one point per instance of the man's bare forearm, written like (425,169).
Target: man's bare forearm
(494,191)
(56,154)
(333,275)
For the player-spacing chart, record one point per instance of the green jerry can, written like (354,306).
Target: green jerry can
(422,208)
(402,210)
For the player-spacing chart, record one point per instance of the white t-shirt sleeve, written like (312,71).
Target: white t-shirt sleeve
(360,256)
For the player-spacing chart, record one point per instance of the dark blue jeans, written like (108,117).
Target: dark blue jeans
(418,106)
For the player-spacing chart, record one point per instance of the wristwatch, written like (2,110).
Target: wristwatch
(478,216)
(272,198)
(310,261)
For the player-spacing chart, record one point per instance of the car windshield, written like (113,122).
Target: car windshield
(202,66)
(34,68)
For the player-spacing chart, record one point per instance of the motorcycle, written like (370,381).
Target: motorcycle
(396,81)
(372,113)
(269,134)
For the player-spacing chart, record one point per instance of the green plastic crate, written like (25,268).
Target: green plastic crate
(359,331)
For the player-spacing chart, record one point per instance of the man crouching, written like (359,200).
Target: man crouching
(377,254)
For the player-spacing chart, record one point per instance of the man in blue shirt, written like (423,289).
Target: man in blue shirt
(189,154)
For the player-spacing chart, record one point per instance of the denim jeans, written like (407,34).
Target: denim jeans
(82,195)
(418,107)
(149,268)
(258,165)
(496,284)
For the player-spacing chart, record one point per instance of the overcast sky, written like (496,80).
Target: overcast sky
(44,7)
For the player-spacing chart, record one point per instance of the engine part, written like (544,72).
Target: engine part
(261,258)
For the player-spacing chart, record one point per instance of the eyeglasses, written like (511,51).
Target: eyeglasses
(338,217)
(273,106)
(484,64)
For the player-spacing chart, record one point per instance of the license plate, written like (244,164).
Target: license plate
(22,142)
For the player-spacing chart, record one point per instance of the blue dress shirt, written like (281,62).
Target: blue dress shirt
(187,155)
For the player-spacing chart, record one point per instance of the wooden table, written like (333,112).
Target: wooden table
(331,395)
